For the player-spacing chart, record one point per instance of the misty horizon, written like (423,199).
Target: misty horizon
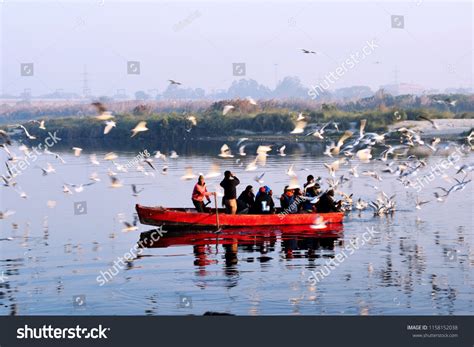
(100,48)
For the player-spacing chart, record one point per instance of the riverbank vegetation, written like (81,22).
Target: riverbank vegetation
(246,119)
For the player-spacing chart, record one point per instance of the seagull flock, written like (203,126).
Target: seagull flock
(353,151)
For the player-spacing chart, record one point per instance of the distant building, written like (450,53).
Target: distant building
(403,88)
(120,95)
(458,90)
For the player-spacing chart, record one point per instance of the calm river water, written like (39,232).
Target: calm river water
(420,262)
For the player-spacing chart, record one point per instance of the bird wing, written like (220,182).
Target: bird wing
(107,128)
(324,127)
(26,131)
(9,170)
(363,122)
(99,106)
(87,184)
(149,163)
(443,189)
(427,119)
(344,137)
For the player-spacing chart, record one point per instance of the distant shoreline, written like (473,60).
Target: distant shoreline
(446,127)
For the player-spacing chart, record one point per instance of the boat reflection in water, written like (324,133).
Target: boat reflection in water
(235,246)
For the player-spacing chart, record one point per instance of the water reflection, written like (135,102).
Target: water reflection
(256,245)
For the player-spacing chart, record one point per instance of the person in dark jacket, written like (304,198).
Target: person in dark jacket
(229,183)
(309,181)
(264,202)
(312,191)
(327,203)
(246,200)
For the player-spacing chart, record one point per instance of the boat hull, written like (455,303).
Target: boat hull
(190,219)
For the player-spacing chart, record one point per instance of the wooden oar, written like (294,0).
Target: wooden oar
(217,211)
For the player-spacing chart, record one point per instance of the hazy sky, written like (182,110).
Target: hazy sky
(197,42)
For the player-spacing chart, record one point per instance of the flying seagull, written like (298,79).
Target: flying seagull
(429,120)
(28,135)
(57,156)
(110,156)
(251,101)
(213,172)
(259,178)
(281,151)
(242,140)
(419,203)
(102,110)
(189,175)
(41,123)
(114,182)
(319,223)
(130,226)
(465,168)
(49,169)
(135,190)
(140,127)
(225,152)
(175,82)
(5,137)
(227,109)
(6,214)
(299,127)
(78,188)
(77,151)
(192,119)
(319,133)
(149,161)
(108,126)
(291,172)
(242,151)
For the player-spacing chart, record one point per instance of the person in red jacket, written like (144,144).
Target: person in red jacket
(199,193)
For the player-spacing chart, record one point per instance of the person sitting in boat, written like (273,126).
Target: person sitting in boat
(327,203)
(229,183)
(312,191)
(299,198)
(309,181)
(287,201)
(246,200)
(199,193)
(264,201)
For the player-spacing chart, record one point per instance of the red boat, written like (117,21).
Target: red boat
(188,218)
